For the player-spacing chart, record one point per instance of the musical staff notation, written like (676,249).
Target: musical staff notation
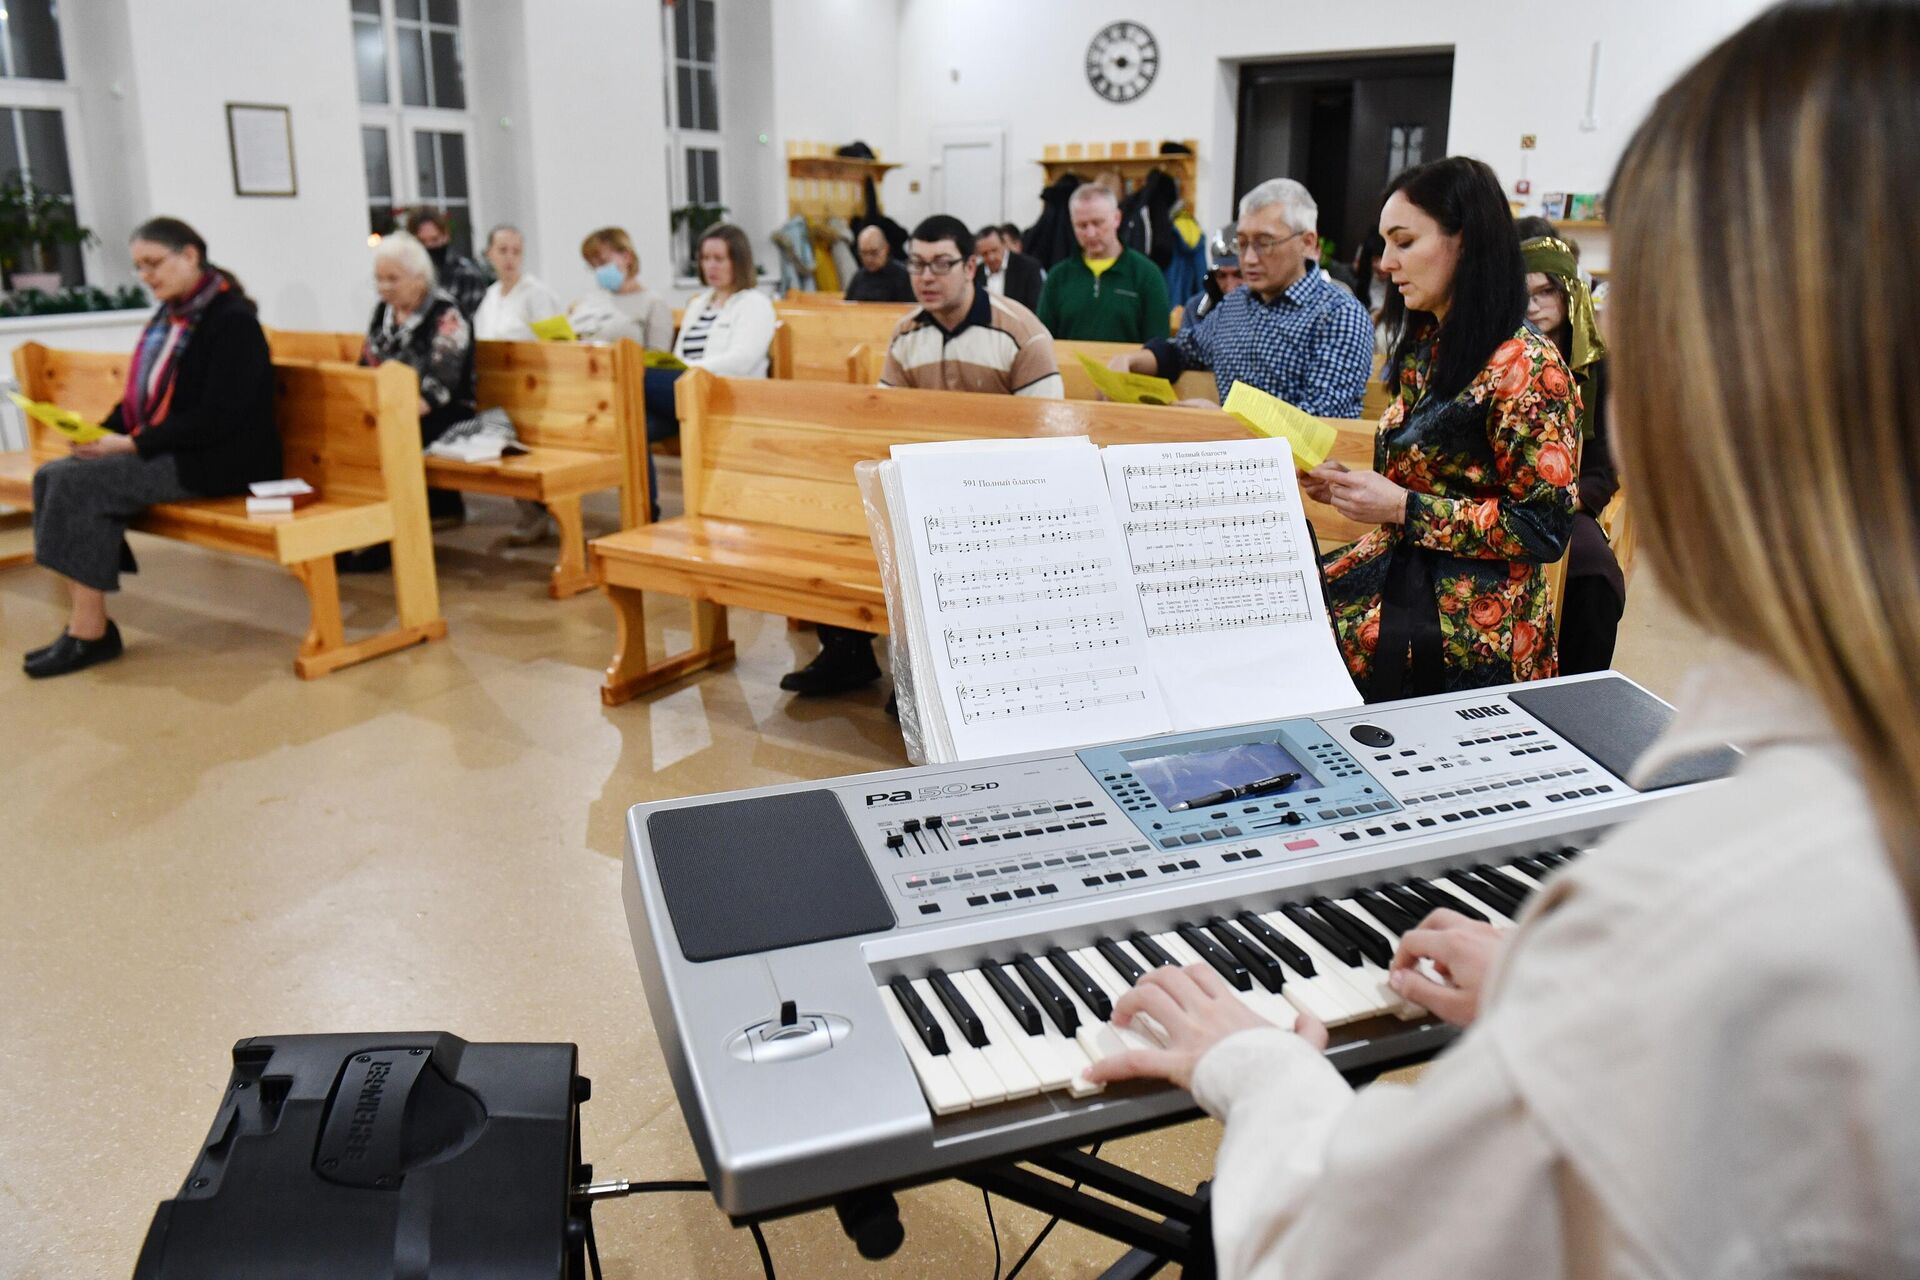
(1087,633)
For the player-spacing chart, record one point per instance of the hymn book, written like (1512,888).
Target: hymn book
(1050,594)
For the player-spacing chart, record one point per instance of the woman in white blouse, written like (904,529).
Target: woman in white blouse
(1696,1055)
(514,300)
(726,329)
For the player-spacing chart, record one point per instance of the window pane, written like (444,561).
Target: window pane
(703,30)
(426,167)
(11,162)
(460,227)
(447,11)
(682,33)
(379,162)
(449,88)
(709,114)
(370,61)
(369,7)
(47,150)
(408,9)
(413,66)
(710,177)
(453,167)
(34,33)
(380,219)
(683,112)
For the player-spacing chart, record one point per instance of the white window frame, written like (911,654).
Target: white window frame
(404,124)
(681,140)
(64,96)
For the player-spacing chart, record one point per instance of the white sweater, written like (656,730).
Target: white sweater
(1695,1061)
(738,340)
(509,316)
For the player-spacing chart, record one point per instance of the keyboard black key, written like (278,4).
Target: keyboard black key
(1371,944)
(1538,868)
(1501,880)
(1275,941)
(1383,909)
(1321,932)
(1258,963)
(1123,964)
(1569,852)
(1076,978)
(958,1009)
(1440,899)
(1023,1010)
(1551,859)
(1410,903)
(1498,899)
(1053,1001)
(1214,954)
(920,1016)
(1150,951)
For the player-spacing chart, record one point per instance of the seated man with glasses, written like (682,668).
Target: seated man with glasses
(1109,293)
(1291,331)
(963,338)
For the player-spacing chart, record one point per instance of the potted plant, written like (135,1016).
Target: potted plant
(696,218)
(35,225)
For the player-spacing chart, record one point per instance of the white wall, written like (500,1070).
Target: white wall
(836,79)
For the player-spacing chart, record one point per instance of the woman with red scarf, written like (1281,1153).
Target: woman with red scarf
(195,421)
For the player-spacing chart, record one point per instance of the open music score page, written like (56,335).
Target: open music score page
(1225,573)
(1022,629)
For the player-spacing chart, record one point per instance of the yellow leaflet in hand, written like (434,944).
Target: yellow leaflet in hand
(65,421)
(1312,439)
(664,360)
(554,329)
(1128,388)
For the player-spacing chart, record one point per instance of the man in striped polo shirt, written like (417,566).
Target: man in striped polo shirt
(965,338)
(962,339)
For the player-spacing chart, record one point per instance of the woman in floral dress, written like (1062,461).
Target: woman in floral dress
(1475,462)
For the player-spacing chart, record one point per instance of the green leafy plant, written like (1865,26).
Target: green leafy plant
(82,298)
(696,218)
(35,224)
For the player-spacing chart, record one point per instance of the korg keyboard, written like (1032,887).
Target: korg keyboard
(876,980)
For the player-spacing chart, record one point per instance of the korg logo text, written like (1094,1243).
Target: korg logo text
(1481,713)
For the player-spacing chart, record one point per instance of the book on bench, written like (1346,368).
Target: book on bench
(279,497)
(1047,593)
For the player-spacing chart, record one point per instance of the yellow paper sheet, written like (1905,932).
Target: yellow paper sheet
(1128,388)
(664,360)
(65,421)
(1312,439)
(554,329)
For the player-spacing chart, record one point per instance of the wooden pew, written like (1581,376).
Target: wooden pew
(822,337)
(774,519)
(352,433)
(1376,400)
(574,405)
(1194,384)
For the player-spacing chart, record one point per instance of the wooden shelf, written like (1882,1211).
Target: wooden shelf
(837,168)
(821,185)
(1129,162)
(1580,224)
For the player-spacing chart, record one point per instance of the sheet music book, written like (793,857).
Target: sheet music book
(1052,594)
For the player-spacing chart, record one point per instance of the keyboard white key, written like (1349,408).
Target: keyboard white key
(938,1080)
(1096,1037)
(1499,918)
(1405,1010)
(1144,1033)
(1332,971)
(1315,996)
(982,1082)
(1052,1070)
(1066,1046)
(1257,998)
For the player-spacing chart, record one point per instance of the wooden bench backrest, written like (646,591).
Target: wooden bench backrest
(1195,384)
(783,453)
(88,382)
(823,336)
(560,395)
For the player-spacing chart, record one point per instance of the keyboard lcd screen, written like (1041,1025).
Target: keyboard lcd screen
(1217,775)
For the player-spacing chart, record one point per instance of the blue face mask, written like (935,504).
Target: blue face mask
(609,276)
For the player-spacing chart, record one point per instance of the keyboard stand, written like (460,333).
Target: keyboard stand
(1175,1226)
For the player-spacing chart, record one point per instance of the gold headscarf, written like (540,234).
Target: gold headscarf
(1554,258)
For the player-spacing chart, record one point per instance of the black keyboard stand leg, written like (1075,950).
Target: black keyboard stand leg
(1172,1226)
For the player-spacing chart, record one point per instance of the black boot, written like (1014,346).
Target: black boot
(845,662)
(70,653)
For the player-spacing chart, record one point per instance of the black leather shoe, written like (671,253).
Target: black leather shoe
(375,559)
(839,667)
(70,653)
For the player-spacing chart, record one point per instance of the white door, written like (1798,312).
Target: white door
(972,177)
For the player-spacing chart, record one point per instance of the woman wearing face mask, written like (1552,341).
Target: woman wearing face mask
(195,421)
(1560,307)
(727,330)
(621,307)
(1473,487)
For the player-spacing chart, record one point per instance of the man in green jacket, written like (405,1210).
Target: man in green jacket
(1108,293)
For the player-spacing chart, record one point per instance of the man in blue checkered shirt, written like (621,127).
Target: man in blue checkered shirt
(1290,331)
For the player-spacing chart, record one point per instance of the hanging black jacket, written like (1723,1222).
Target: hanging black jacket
(895,233)
(1146,218)
(220,424)
(1051,239)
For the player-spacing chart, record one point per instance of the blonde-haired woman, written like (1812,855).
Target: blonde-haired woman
(1696,1055)
(621,306)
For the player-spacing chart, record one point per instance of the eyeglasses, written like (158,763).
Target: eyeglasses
(1261,246)
(147,266)
(932,266)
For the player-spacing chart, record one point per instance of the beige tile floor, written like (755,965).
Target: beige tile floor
(198,847)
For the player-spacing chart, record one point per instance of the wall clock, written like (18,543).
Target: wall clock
(1122,60)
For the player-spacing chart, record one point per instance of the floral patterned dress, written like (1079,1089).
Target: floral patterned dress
(1460,589)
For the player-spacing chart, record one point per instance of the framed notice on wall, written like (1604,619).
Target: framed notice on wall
(260,139)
